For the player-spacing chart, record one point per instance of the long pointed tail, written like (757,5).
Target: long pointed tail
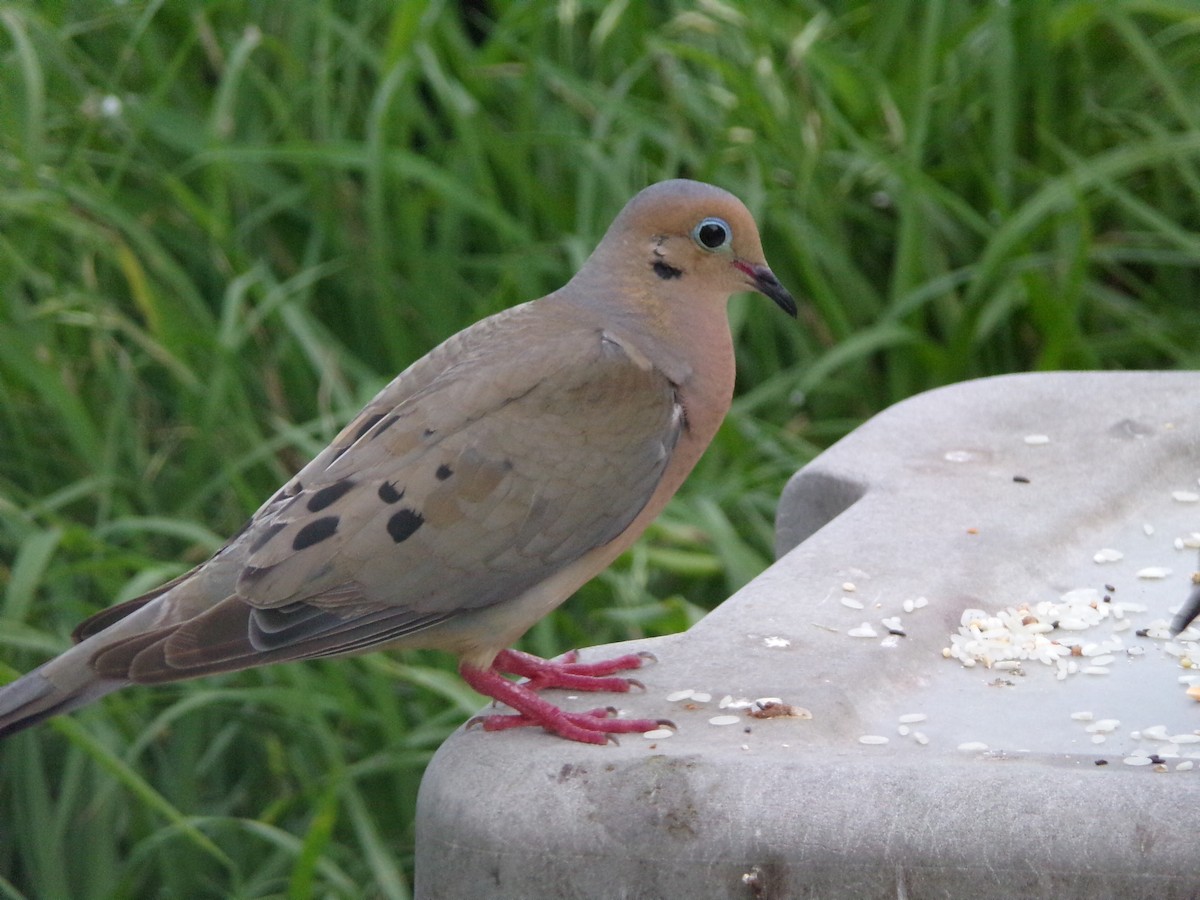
(62,684)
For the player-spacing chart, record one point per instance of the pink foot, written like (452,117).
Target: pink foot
(591,727)
(569,674)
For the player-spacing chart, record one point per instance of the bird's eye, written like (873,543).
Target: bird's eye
(712,233)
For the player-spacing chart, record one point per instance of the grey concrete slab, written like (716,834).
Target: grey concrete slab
(1006,798)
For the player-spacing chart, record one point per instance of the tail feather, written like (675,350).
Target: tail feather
(59,686)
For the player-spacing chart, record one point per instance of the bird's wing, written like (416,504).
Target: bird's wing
(524,446)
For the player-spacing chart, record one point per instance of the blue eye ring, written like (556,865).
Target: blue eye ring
(712,234)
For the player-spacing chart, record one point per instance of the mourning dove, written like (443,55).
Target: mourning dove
(475,492)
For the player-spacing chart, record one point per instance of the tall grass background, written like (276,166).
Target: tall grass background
(224,225)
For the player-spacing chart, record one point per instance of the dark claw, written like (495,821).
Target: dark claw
(648,656)
(666,723)
(634,683)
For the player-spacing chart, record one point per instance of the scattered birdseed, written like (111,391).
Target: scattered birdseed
(872,739)
(903,730)
(908,606)
(972,746)
(1108,554)
(1082,716)
(852,603)
(863,630)
(774,641)
(892,640)
(921,738)
(701,696)
(1098,739)
(724,720)
(1136,760)
(1104,726)
(1025,633)
(921,602)
(657,734)
(1147,529)
(776,709)
(1185,496)
(849,587)
(1094,670)
(1185,766)
(1035,439)
(680,695)
(912,718)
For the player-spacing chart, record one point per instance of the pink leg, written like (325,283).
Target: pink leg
(591,727)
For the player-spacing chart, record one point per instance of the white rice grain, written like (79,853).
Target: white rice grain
(724,720)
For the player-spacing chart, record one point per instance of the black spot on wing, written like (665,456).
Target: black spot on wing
(388,492)
(329,495)
(444,472)
(404,524)
(368,425)
(385,425)
(315,532)
(665,271)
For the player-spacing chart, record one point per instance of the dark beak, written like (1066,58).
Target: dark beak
(764,281)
